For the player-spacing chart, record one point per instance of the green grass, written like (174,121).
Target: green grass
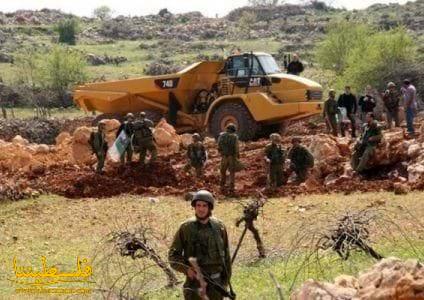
(62,229)
(24,113)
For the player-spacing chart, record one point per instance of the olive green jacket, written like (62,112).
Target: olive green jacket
(210,249)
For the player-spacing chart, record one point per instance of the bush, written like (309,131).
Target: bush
(361,55)
(342,37)
(384,53)
(67,30)
(56,71)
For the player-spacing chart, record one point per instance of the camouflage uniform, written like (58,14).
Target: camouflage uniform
(128,127)
(301,160)
(209,244)
(196,153)
(99,146)
(276,155)
(391,100)
(364,149)
(229,150)
(330,113)
(143,140)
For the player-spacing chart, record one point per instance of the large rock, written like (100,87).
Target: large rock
(18,140)
(326,152)
(81,150)
(389,279)
(166,138)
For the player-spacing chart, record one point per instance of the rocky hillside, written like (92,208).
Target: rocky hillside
(295,25)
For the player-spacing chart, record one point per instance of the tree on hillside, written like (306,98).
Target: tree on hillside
(341,38)
(361,55)
(67,30)
(245,23)
(103,12)
(263,2)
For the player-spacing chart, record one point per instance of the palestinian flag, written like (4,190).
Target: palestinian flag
(118,148)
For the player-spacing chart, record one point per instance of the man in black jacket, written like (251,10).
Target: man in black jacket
(348,101)
(295,67)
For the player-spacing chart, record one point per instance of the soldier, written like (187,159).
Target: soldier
(301,160)
(128,127)
(99,146)
(391,99)
(330,112)
(143,138)
(204,238)
(366,145)
(275,155)
(196,153)
(229,149)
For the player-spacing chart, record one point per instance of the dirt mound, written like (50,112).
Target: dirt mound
(67,167)
(389,279)
(40,131)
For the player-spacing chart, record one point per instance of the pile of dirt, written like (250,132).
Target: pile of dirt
(390,278)
(40,131)
(67,167)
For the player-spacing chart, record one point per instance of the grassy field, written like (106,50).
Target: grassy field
(62,229)
(27,112)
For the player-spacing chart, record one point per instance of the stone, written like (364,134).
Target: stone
(18,140)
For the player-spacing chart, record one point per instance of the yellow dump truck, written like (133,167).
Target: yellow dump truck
(248,90)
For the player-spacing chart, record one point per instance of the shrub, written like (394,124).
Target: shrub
(67,30)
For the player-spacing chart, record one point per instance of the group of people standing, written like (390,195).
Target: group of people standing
(346,109)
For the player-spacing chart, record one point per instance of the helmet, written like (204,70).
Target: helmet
(391,84)
(142,114)
(203,195)
(231,127)
(196,136)
(129,116)
(275,137)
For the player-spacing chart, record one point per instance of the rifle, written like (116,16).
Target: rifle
(205,280)
(200,278)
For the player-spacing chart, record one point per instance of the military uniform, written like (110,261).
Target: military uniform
(391,100)
(330,113)
(207,242)
(128,128)
(143,140)
(196,153)
(301,160)
(276,155)
(99,146)
(364,149)
(229,150)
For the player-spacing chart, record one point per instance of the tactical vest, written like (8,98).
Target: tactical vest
(227,144)
(275,154)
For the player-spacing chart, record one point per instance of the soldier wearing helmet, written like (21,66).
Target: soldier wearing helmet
(301,159)
(229,149)
(391,100)
(99,145)
(206,239)
(275,156)
(128,127)
(143,138)
(330,112)
(196,154)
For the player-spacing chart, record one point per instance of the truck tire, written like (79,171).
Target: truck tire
(237,113)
